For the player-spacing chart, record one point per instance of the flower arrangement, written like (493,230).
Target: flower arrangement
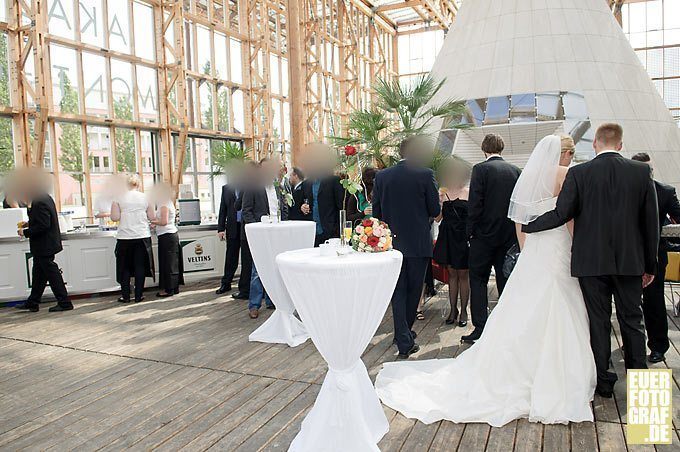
(372,236)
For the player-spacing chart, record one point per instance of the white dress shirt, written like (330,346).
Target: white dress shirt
(272,199)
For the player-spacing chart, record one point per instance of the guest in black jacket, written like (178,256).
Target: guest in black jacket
(490,230)
(406,196)
(327,196)
(653,298)
(300,209)
(44,236)
(247,179)
(229,229)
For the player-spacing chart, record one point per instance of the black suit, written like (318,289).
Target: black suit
(246,257)
(406,196)
(612,201)
(45,241)
(490,230)
(256,205)
(299,196)
(228,223)
(653,298)
(329,201)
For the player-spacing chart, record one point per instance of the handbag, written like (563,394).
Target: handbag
(510,260)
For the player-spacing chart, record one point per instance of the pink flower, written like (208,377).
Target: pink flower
(378,231)
(359,229)
(364,239)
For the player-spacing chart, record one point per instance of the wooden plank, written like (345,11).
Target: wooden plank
(557,437)
(400,428)
(529,436)
(610,437)
(448,437)
(474,437)
(502,438)
(583,436)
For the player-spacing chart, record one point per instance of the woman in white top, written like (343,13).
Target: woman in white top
(169,250)
(134,256)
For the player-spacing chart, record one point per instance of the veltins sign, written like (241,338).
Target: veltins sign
(198,255)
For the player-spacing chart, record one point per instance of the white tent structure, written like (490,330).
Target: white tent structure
(532,67)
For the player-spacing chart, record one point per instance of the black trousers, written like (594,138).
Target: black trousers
(46,270)
(627,292)
(654,309)
(429,277)
(134,266)
(406,298)
(231,260)
(246,268)
(170,267)
(483,256)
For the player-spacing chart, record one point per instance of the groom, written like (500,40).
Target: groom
(612,201)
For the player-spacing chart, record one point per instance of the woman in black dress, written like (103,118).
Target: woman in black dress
(452,248)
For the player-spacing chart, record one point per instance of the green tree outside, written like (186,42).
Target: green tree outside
(6,142)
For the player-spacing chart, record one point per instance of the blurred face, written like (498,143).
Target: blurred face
(271,169)
(294,180)
(566,157)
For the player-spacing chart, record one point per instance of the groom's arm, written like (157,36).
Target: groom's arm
(475,200)
(567,204)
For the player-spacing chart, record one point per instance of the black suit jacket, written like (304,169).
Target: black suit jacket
(406,196)
(491,186)
(227,219)
(330,201)
(299,196)
(43,227)
(256,205)
(669,206)
(612,201)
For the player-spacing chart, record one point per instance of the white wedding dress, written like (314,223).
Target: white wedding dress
(533,359)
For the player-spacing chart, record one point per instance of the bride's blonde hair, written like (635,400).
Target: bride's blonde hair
(566,143)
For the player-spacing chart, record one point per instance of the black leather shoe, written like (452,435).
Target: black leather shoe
(472,337)
(140,299)
(28,307)
(414,349)
(414,335)
(223,289)
(656,357)
(164,294)
(604,392)
(123,300)
(60,308)
(240,296)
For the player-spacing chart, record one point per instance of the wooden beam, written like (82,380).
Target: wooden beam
(398,5)
(296,77)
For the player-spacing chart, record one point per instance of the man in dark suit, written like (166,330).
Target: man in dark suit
(490,230)
(612,201)
(300,209)
(653,298)
(229,229)
(264,198)
(326,195)
(406,196)
(44,239)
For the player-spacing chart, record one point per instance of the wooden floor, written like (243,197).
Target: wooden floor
(180,374)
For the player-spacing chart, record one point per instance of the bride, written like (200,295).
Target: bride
(534,358)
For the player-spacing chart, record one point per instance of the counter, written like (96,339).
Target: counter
(89,265)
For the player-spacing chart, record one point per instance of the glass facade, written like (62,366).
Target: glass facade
(653,29)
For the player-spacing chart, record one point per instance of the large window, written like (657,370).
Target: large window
(417,53)
(653,28)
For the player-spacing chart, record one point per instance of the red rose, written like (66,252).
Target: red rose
(350,150)
(373,241)
(367,223)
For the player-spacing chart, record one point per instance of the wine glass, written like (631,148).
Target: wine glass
(347,231)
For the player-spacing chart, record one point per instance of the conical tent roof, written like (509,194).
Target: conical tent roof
(511,55)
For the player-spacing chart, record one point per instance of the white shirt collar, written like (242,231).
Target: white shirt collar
(298,184)
(607,151)
(492,156)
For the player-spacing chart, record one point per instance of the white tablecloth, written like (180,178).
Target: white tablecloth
(266,241)
(341,300)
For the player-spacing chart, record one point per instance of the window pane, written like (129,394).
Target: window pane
(99,149)
(64,79)
(60,18)
(126,157)
(4,71)
(548,107)
(119,26)
(207,120)
(671,93)
(201,147)
(276,118)
(4,10)
(671,14)
(523,107)
(497,110)
(203,50)
(286,121)
(6,145)
(205,194)
(121,84)
(147,89)
(275,82)
(574,106)
(223,109)
(96,89)
(671,63)
(91,22)
(235,54)
(284,76)
(144,31)
(70,158)
(239,118)
(149,155)
(221,69)
(655,63)
(655,15)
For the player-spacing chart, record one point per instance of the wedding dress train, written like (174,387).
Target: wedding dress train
(533,359)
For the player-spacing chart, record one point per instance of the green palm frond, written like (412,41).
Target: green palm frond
(225,153)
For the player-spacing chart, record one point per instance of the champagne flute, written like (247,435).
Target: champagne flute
(348,231)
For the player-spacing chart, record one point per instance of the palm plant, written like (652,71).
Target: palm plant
(401,111)
(226,153)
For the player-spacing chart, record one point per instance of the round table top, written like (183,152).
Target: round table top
(289,224)
(311,258)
